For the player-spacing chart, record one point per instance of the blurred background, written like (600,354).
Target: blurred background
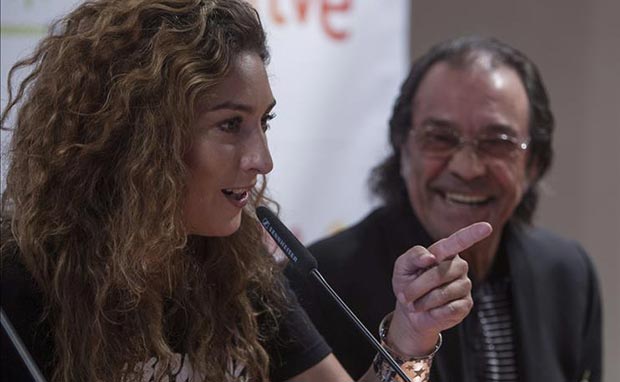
(336,68)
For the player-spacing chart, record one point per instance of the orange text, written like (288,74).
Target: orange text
(300,9)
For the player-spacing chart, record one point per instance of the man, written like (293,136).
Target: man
(471,138)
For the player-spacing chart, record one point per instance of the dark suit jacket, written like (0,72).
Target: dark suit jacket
(556,302)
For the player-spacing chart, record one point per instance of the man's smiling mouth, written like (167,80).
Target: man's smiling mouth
(467,199)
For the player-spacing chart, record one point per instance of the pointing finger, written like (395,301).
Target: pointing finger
(415,259)
(460,240)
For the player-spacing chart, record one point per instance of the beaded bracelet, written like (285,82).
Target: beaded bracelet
(418,369)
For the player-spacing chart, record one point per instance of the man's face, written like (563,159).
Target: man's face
(451,191)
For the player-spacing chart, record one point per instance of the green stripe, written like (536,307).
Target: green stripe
(12,30)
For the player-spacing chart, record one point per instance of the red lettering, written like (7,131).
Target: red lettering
(326,9)
(301,10)
(274,12)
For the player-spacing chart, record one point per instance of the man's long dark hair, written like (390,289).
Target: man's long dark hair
(386,181)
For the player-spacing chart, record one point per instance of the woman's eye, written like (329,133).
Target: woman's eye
(232,125)
(266,119)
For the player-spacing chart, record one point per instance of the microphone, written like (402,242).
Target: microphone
(306,264)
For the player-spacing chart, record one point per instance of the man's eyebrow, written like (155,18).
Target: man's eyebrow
(492,128)
(500,128)
(438,122)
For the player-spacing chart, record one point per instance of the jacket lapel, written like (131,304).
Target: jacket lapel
(448,363)
(526,291)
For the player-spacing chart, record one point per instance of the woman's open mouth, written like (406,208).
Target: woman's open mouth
(237,196)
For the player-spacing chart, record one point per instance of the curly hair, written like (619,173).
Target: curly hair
(386,181)
(96,184)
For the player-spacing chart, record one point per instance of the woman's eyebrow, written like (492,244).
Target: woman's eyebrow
(232,105)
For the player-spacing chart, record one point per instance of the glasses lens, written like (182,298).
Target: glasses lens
(500,146)
(438,142)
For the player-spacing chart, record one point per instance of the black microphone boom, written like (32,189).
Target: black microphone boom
(292,248)
(306,263)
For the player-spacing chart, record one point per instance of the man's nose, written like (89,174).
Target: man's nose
(466,163)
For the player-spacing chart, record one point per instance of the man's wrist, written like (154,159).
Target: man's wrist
(416,367)
(400,337)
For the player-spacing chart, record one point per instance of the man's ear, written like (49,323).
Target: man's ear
(403,160)
(532,172)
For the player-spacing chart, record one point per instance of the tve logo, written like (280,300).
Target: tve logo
(324,12)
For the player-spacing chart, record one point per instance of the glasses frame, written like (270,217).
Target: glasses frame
(519,144)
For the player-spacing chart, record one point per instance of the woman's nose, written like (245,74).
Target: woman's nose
(257,156)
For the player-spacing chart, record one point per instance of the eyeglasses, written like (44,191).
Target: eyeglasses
(443,142)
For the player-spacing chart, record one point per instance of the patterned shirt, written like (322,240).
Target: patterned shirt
(490,330)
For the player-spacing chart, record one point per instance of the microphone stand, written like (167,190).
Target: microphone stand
(373,341)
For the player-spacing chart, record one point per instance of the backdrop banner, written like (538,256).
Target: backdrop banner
(335,70)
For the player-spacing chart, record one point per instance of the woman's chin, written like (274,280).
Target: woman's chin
(221,228)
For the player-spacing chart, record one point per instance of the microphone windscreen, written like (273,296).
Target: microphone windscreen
(298,254)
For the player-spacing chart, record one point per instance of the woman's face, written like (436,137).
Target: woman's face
(229,149)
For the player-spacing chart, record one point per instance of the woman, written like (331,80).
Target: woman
(130,250)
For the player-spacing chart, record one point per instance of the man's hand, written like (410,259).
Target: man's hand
(433,291)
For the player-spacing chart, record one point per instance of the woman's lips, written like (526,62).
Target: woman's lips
(237,196)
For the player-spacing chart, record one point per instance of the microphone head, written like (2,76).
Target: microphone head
(298,254)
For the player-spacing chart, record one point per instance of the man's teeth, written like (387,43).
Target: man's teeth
(467,199)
